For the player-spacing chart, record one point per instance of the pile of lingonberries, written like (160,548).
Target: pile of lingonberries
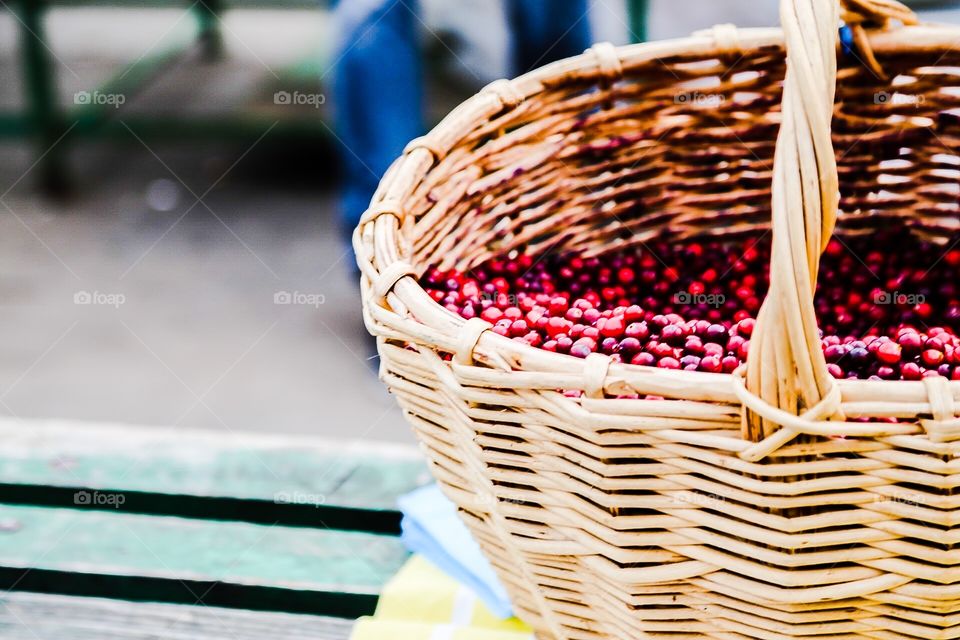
(888,304)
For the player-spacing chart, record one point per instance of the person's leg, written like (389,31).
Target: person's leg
(546,30)
(376,95)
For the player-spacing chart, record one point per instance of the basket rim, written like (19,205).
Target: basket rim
(380,233)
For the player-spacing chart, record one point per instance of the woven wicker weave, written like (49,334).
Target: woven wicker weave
(772,503)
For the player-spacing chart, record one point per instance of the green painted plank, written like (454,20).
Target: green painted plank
(171,559)
(637,15)
(37,616)
(288,470)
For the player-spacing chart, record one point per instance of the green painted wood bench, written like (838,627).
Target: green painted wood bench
(129,532)
(53,127)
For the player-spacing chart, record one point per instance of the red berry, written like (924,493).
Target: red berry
(556,326)
(637,330)
(672,334)
(710,364)
(491,314)
(911,371)
(612,327)
(519,328)
(889,353)
(647,360)
(910,340)
(668,363)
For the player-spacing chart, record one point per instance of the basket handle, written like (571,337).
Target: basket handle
(786,368)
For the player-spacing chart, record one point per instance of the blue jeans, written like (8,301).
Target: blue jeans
(377,79)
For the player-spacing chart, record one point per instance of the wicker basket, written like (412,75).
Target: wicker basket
(774,502)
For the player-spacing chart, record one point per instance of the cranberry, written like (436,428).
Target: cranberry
(713,349)
(612,327)
(608,345)
(833,353)
(633,313)
(668,363)
(591,315)
(672,334)
(582,349)
(910,340)
(730,363)
(911,371)
(889,353)
(637,330)
(932,357)
(556,326)
(710,364)
(518,328)
(491,314)
(647,359)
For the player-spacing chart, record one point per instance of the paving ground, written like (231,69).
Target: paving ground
(196,338)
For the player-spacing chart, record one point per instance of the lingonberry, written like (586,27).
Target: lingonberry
(668,363)
(932,357)
(889,352)
(911,371)
(611,327)
(710,364)
(491,314)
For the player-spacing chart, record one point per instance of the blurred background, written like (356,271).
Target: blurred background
(177,183)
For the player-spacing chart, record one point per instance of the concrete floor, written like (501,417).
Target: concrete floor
(197,339)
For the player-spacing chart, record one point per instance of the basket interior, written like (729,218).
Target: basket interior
(683,147)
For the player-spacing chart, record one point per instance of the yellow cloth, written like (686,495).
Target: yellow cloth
(423,603)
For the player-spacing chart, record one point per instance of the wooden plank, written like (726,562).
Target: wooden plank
(296,481)
(52,617)
(167,559)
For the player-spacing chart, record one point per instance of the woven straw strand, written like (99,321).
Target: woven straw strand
(786,367)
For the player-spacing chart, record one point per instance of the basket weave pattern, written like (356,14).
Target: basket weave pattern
(771,503)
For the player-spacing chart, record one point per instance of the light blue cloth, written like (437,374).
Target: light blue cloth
(432,528)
